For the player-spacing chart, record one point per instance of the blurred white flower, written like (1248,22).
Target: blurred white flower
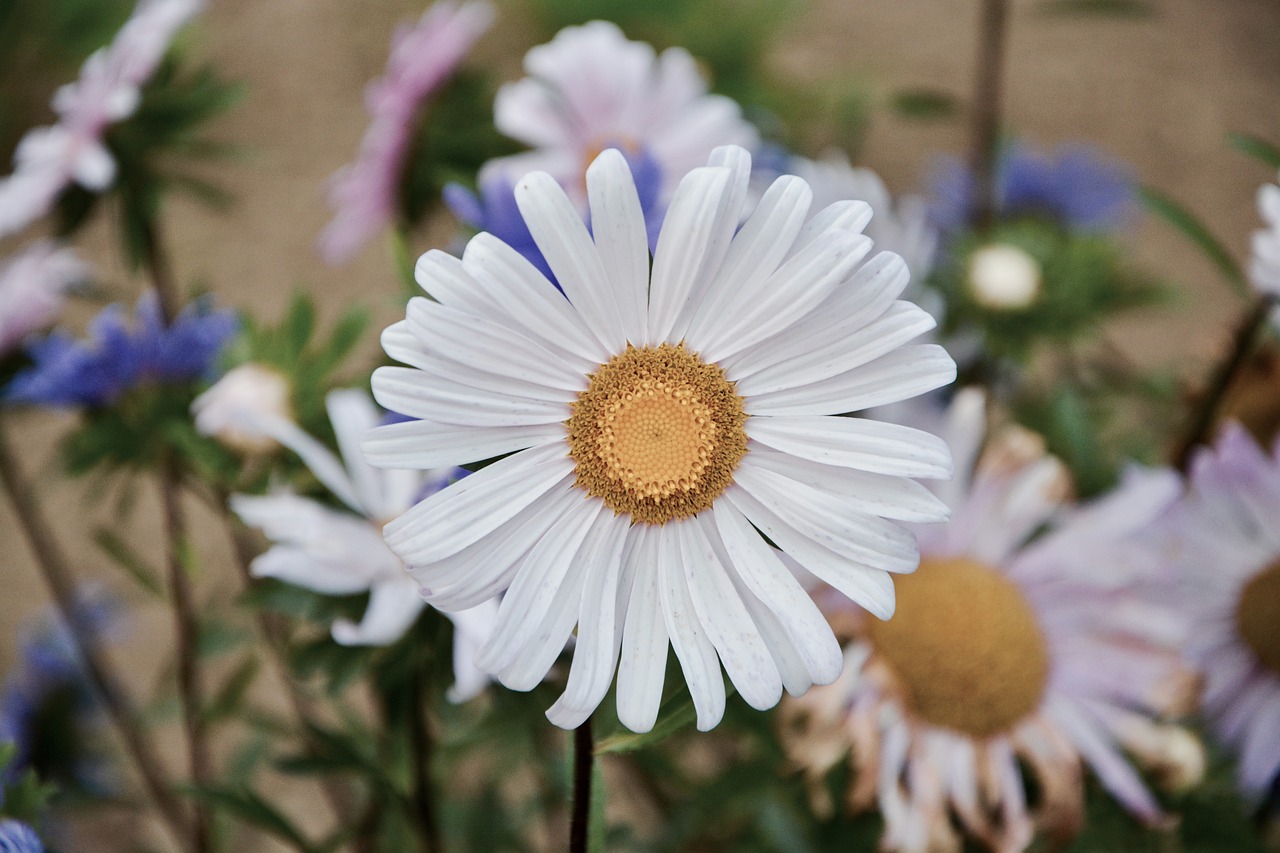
(48,159)
(1264,266)
(590,88)
(1004,277)
(32,287)
(340,553)
(633,487)
(241,408)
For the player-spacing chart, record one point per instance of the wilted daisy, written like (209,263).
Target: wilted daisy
(1264,266)
(49,159)
(1222,549)
(365,193)
(341,553)
(32,286)
(1005,659)
(652,425)
(590,88)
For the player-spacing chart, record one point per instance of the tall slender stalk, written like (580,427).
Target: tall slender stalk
(186,625)
(1243,343)
(422,748)
(988,95)
(583,760)
(57,574)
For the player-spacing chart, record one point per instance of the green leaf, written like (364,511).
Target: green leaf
(250,808)
(924,104)
(1108,8)
(126,558)
(676,713)
(230,697)
(299,322)
(1183,220)
(1259,149)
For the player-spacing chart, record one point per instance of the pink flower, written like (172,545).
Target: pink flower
(32,285)
(364,193)
(590,88)
(48,159)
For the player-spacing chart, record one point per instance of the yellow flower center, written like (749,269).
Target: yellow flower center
(657,434)
(965,646)
(1258,616)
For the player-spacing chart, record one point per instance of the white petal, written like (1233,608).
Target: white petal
(770,581)
(471,508)
(643,666)
(470,629)
(595,655)
(617,223)
(845,215)
(753,255)
(826,358)
(859,537)
(860,443)
(353,414)
(694,649)
(426,445)
(492,346)
(540,584)
(793,290)
(319,460)
(900,375)
(560,233)
(682,246)
(865,296)
(443,277)
(393,608)
(418,394)
(871,588)
(885,495)
(727,622)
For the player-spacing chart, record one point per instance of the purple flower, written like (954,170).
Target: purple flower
(1078,187)
(32,284)
(364,193)
(119,355)
(17,837)
(49,159)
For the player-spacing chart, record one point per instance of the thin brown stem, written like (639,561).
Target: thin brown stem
(583,760)
(423,748)
(1243,343)
(988,96)
(55,568)
(187,630)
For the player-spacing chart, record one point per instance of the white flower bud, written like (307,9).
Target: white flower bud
(1004,277)
(236,408)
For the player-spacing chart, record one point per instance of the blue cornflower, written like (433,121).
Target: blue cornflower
(17,837)
(47,701)
(1078,187)
(119,355)
(495,210)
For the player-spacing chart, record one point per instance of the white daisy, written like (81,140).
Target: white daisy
(1264,266)
(1222,547)
(240,408)
(1007,660)
(657,423)
(341,553)
(590,88)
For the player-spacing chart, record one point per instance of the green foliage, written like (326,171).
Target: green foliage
(22,796)
(924,104)
(1259,149)
(1101,8)
(1186,223)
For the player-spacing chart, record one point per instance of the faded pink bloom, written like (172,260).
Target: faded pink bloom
(32,285)
(48,159)
(590,88)
(424,56)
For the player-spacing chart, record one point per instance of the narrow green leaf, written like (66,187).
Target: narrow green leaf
(1185,221)
(1259,149)
(230,697)
(924,104)
(1109,8)
(126,558)
(676,713)
(299,322)
(246,805)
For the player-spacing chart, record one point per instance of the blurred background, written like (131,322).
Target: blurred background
(1158,85)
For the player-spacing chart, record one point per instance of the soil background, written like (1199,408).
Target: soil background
(1159,92)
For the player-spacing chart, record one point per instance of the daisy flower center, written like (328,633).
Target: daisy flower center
(1258,616)
(657,433)
(965,646)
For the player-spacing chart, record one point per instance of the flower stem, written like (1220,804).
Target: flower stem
(54,566)
(422,748)
(1245,338)
(987,98)
(583,758)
